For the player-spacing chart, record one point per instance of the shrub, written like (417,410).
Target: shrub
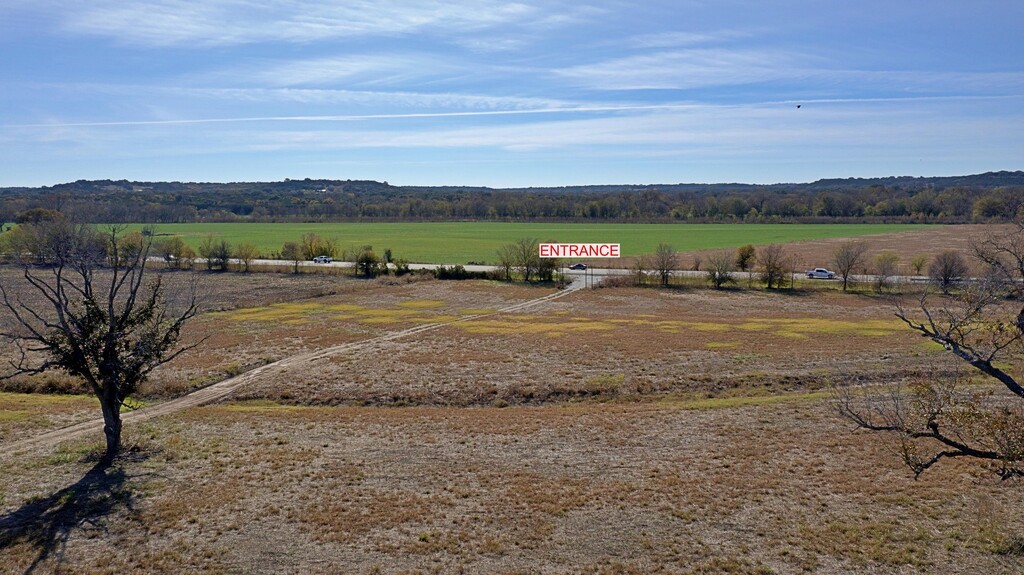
(947,269)
(458,272)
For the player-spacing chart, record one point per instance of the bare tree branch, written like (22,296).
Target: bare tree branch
(938,418)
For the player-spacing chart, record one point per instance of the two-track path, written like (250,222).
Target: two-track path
(226,387)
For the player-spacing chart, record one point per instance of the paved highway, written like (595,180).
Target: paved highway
(597,273)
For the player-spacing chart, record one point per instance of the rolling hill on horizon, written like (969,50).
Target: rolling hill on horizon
(992,196)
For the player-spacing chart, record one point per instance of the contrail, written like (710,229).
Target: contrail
(521,112)
(356,118)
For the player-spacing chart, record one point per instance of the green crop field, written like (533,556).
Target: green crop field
(460,242)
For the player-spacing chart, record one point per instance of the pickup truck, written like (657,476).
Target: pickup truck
(821,274)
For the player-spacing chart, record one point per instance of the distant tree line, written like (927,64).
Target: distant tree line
(986,197)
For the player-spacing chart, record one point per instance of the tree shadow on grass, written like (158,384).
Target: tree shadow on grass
(46,524)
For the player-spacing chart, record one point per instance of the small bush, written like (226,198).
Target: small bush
(458,272)
(50,382)
(617,282)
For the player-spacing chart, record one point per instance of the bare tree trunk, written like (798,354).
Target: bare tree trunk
(111,427)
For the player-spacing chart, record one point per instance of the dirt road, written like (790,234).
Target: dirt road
(224,388)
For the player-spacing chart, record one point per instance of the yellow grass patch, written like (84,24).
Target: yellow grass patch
(422,304)
(932,346)
(557,325)
(22,401)
(343,307)
(676,326)
(721,344)
(302,313)
(6,415)
(805,327)
(513,325)
(279,312)
(707,326)
(258,405)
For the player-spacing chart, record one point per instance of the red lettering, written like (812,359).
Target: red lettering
(579,250)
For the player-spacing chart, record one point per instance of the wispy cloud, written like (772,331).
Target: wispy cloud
(220,82)
(348,70)
(370,98)
(682,39)
(773,133)
(226,22)
(682,69)
(627,113)
(694,68)
(822,123)
(726,130)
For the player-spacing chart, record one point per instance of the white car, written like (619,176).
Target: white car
(821,274)
(323,259)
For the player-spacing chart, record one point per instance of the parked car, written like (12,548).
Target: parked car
(821,274)
(580,266)
(323,259)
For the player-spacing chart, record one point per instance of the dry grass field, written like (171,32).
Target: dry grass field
(610,431)
(929,242)
(607,343)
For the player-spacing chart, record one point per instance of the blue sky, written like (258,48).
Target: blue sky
(518,93)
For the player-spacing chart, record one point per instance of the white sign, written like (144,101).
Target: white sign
(579,250)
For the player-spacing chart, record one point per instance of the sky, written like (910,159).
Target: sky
(508,93)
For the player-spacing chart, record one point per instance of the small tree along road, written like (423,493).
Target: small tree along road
(94,316)
(847,258)
(720,268)
(773,266)
(666,262)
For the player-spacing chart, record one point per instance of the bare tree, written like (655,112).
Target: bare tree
(719,269)
(507,259)
(947,269)
(885,268)
(527,256)
(938,417)
(847,257)
(292,251)
(94,316)
(640,267)
(665,262)
(773,266)
(1004,255)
